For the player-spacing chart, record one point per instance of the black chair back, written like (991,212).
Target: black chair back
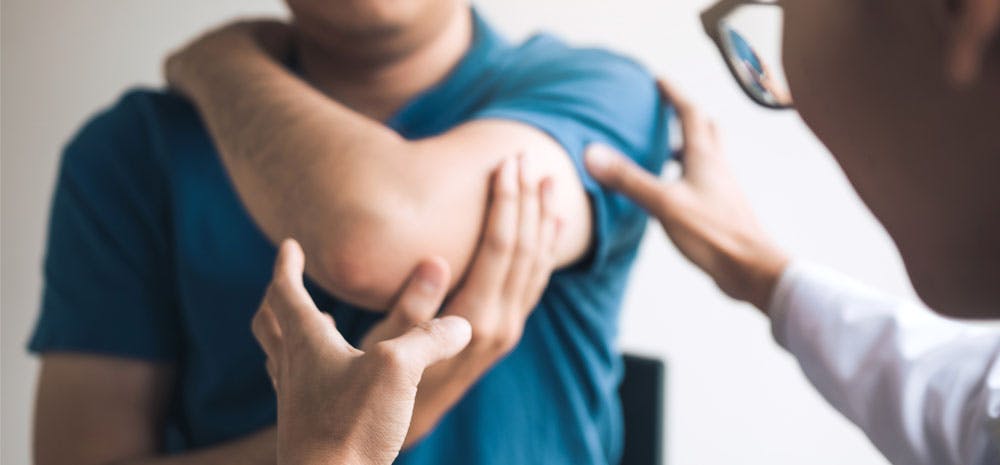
(642,394)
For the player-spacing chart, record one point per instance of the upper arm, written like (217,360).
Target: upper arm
(107,290)
(98,410)
(439,206)
(549,111)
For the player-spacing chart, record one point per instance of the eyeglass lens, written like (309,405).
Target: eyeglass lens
(751,38)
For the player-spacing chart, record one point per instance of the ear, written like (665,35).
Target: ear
(974,25)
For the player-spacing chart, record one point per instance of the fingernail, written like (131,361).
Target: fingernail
(599,158)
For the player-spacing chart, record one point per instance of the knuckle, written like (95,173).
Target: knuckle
(513,338)
(529,187)
(495,339)
(509,337)
(407,318)
(390,356)
(483,335)
(410,312)
(526,248)
(434,331)
(278,291)
(505,195)
(500,241)
(257,323)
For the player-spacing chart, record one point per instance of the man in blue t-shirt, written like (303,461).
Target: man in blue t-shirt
(375,152)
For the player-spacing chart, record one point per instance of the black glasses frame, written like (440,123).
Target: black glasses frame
(711,19)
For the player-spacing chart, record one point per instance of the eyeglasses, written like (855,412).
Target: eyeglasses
(748,35)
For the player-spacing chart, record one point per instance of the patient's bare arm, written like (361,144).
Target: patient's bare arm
(100,410)
(365,203)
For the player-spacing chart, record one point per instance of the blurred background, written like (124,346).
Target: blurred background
(734,396)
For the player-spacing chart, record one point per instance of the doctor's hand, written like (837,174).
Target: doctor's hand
(337,404)
(505,280)
(704,213)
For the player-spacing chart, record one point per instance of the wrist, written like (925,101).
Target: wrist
(749,270)
(763,267)
(328,454)
(189,70)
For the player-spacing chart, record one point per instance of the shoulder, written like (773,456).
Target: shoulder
(590,94)
(545,59)
(131,133)
(139,109)
(122,158)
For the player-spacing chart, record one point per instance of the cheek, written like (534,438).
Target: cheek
(831,72)
(821,64)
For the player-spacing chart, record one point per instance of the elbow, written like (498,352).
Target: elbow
(345,274)
(362,263)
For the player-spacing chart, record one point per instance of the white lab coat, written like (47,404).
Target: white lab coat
(925,390)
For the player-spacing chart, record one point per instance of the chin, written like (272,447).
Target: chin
(360,17)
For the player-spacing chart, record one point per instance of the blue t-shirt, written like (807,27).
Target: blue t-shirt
(151,256)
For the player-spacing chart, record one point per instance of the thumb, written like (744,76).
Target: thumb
(417,302)
(433,341)
(620,173)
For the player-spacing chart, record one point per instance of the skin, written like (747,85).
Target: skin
(311,159)
(910,130)
(99,410)
(910,123)
(704,213)
(377,390)
(949,244)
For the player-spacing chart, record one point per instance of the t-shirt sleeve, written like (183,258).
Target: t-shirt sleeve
(107,272)
(582,96)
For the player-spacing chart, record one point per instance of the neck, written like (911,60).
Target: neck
(379,77)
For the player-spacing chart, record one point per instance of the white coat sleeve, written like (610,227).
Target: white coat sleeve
(924,389)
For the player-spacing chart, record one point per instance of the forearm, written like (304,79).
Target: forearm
(296,158)
(918,385)
(99,410)
(256,449)
(365,203)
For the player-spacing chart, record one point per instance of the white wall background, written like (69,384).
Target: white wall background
(734,396)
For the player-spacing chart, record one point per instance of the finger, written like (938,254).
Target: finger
(670,93)
(528,233)
(419,301)
(293,308)
(489,267)
(696,128)
(545,258)
(267,332)
(620,173)
(427,344)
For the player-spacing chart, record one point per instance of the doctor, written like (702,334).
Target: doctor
(906,95)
